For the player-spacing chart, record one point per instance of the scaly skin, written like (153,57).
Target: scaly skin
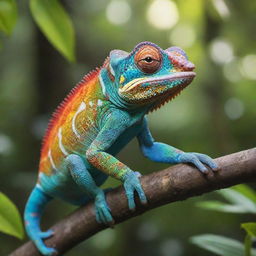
(96,120)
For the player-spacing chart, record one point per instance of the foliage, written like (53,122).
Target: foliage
(220,245)
(55,23)
(242,199)
(50,17)
(250,229)
(8,15)
(10,220)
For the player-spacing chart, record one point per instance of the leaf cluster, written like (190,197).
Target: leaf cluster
(241,200)
(52,19)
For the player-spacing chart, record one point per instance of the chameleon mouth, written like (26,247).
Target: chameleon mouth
(184,77)
(173,92)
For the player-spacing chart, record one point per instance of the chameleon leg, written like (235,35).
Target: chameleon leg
(84,179)
(163,153)
(33,212)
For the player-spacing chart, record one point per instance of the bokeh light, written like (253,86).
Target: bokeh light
(221,51)
(248,66)
(6,145)
(222,8)
(162,14)
(232,71)
(234,108)
(148,231)
(171,247)
(104,239)
(118,12)
(183,35)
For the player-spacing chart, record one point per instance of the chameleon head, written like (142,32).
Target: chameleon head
(150,75)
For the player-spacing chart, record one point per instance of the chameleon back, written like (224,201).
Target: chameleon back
(74,123)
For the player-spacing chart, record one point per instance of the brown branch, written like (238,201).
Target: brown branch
(173,184)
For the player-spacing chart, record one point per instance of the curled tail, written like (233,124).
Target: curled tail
(32,216)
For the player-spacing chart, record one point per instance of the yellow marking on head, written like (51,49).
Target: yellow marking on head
(122,79)
(174,70)
(131,84)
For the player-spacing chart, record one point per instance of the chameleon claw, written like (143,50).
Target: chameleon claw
(102,210)
(144,202)
(46,234)
(206,171)
(138,174)
(46,251)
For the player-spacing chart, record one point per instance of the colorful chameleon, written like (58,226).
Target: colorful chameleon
(96,120)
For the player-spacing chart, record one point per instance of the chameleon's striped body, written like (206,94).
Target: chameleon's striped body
(73,127)
(74,124)
(97,119)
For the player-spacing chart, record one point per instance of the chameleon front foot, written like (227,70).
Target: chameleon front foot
(102,210)
(198,160)
(132,184)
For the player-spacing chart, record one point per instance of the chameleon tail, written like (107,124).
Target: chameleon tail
(32,215)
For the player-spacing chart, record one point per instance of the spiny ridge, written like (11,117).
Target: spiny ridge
(59,110)
(162,102)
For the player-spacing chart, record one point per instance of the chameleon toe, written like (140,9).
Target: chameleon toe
(46,234)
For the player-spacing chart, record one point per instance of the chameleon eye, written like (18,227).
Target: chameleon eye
(148,59)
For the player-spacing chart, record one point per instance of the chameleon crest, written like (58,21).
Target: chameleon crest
(96,120)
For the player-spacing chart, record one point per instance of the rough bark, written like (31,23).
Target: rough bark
(176,183)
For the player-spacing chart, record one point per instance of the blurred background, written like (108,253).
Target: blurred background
(215,115)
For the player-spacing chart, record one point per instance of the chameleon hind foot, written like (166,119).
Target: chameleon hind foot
(38,240)
(83,178)
(46,234)
(102,210)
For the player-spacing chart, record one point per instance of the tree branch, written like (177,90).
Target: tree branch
(173,184)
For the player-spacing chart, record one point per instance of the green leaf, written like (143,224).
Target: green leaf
(221,207)
(55,23)
(247,245)
(220,245)
(250,228)
(237,198)
(246,191)
(241,197)
(10,220)
(8,15)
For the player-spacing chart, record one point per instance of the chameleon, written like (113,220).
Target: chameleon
(100,115)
